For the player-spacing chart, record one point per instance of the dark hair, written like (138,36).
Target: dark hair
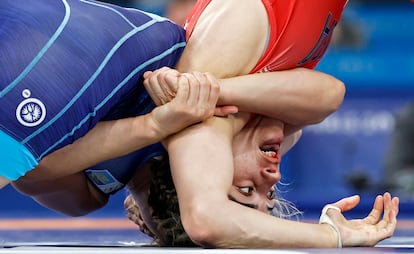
(165,210)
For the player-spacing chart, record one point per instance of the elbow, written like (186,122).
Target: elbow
(338,94)
(332,99)
(72,208)
(199,225)
(73,213)
(79,211)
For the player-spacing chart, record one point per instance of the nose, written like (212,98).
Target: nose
(271,173)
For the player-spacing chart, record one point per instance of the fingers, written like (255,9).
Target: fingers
(376,212)
(214,91)
(161,84)
(388,207)
(183,90)
(225,110)
(396,204)
(194,89)
(202,93)
(189,98)
(147,74)
(153,91)
(385,207)
(377,226)
(347,203)
(134,215)
(129,200)
(389,221)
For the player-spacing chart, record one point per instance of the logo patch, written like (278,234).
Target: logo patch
(104,180)
(31,111)
(320,48)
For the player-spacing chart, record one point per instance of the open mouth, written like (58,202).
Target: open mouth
(271,151)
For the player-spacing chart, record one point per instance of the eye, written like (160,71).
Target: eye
(271,194)
(246,190)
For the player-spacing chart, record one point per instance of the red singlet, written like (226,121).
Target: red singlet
(300,31)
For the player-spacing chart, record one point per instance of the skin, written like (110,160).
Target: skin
(205,198)
(177,10)
(41,183)
(206,210)
(258,145)
(203,194)
(261,133)
(247,225)
(257,159)
(188,107)
(323,93)
(3,182)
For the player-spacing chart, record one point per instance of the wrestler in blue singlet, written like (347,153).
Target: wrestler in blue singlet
(66,65)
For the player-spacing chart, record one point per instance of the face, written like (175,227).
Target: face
(257,159)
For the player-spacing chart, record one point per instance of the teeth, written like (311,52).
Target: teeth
(270,153)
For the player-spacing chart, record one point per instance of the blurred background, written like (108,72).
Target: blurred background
(364,148)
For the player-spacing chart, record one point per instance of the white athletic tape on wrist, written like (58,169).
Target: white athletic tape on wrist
(325,219)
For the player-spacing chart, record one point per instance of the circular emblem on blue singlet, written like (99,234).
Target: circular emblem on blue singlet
(31,111)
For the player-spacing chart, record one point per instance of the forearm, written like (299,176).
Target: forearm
(242,227)
(72,195)
(298,97)
(105,141)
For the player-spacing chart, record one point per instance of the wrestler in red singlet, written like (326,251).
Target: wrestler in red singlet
(300,31)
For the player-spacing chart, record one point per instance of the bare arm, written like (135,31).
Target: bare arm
(72,195)
(105,141)
(298,97)
(111,139)
(227,41)
(208,216)
(212,220)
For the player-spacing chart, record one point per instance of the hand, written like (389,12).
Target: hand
(162,86)
(134,215)
(371,229)
(195,101)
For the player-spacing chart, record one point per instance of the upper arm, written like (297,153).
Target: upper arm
(297,97)
(206,144)
(227,41)
(203,180)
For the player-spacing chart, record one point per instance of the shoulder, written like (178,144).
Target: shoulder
(228,38)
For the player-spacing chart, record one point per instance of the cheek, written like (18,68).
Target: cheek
(244,159)
(243,168)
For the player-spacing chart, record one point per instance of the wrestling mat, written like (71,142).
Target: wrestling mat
(118,235)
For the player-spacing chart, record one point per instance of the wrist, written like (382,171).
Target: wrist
(326,220)
(225,93)
(153,128)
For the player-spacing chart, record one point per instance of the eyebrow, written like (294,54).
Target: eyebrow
(254,206)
